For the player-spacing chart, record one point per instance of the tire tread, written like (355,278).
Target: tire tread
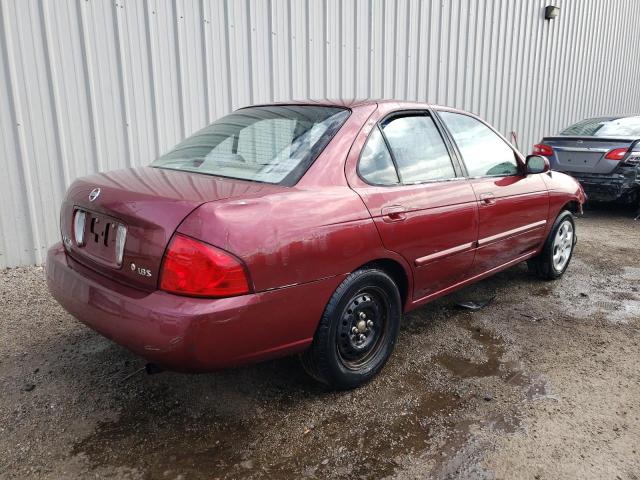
(315,360)
(541,265)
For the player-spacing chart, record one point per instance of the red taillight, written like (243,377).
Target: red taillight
(616,154)
(191,267)
(542,149)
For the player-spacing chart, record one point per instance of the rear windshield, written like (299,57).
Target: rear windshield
(605,127)
(272,144)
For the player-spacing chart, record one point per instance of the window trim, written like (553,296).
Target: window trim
(516,154)
(459,173)
(393,161)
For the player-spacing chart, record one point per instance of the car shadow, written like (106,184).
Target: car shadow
(611,209)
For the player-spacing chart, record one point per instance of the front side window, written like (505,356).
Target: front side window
(484,153)
(418,149)
(272,144)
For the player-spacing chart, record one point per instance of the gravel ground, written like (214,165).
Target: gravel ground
(541,384)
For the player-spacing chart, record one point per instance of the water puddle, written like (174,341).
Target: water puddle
(465,368)
(494,365)
(165,448)
(614,307)
(631,273)
(368,433)
(360,444)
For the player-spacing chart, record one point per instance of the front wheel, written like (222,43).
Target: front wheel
(553,260)
(357,332)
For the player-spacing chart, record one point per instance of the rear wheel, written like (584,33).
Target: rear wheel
(557,251)
(357,332)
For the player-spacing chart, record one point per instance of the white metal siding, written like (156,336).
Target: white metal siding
(98,85)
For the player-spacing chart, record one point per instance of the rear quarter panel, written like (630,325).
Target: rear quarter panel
(291,238)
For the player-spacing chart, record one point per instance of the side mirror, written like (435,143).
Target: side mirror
(537,164)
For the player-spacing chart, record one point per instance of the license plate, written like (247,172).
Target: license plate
(579,159)
(104,238)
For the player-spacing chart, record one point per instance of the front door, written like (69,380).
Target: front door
(513,207)
(423,208)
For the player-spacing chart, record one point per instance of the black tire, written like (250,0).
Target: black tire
(338,356)
(543,264)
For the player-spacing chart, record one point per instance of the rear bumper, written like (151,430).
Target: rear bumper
(623,185)
(190,334)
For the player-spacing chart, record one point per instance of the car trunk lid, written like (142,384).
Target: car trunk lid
(585,154)
(149,204)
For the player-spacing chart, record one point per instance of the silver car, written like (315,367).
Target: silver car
(603,154)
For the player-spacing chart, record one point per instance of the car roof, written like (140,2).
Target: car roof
(354,102)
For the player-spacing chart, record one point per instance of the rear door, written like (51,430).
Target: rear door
(422,206)
(513,207)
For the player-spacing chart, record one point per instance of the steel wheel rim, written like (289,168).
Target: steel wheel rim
(562,245)
(363,327)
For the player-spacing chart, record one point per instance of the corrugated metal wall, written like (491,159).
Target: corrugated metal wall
(90,85)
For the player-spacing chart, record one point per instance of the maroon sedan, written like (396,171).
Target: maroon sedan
(304,228)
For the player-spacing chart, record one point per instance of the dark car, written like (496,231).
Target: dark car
(602,153)
(304,228)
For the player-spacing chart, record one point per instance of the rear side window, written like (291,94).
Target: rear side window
(418,149)
(484,153)
(272,144)
(375,165)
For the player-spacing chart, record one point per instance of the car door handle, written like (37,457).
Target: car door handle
(395,213)
(487,199)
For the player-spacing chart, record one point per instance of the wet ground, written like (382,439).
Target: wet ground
(544,382)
